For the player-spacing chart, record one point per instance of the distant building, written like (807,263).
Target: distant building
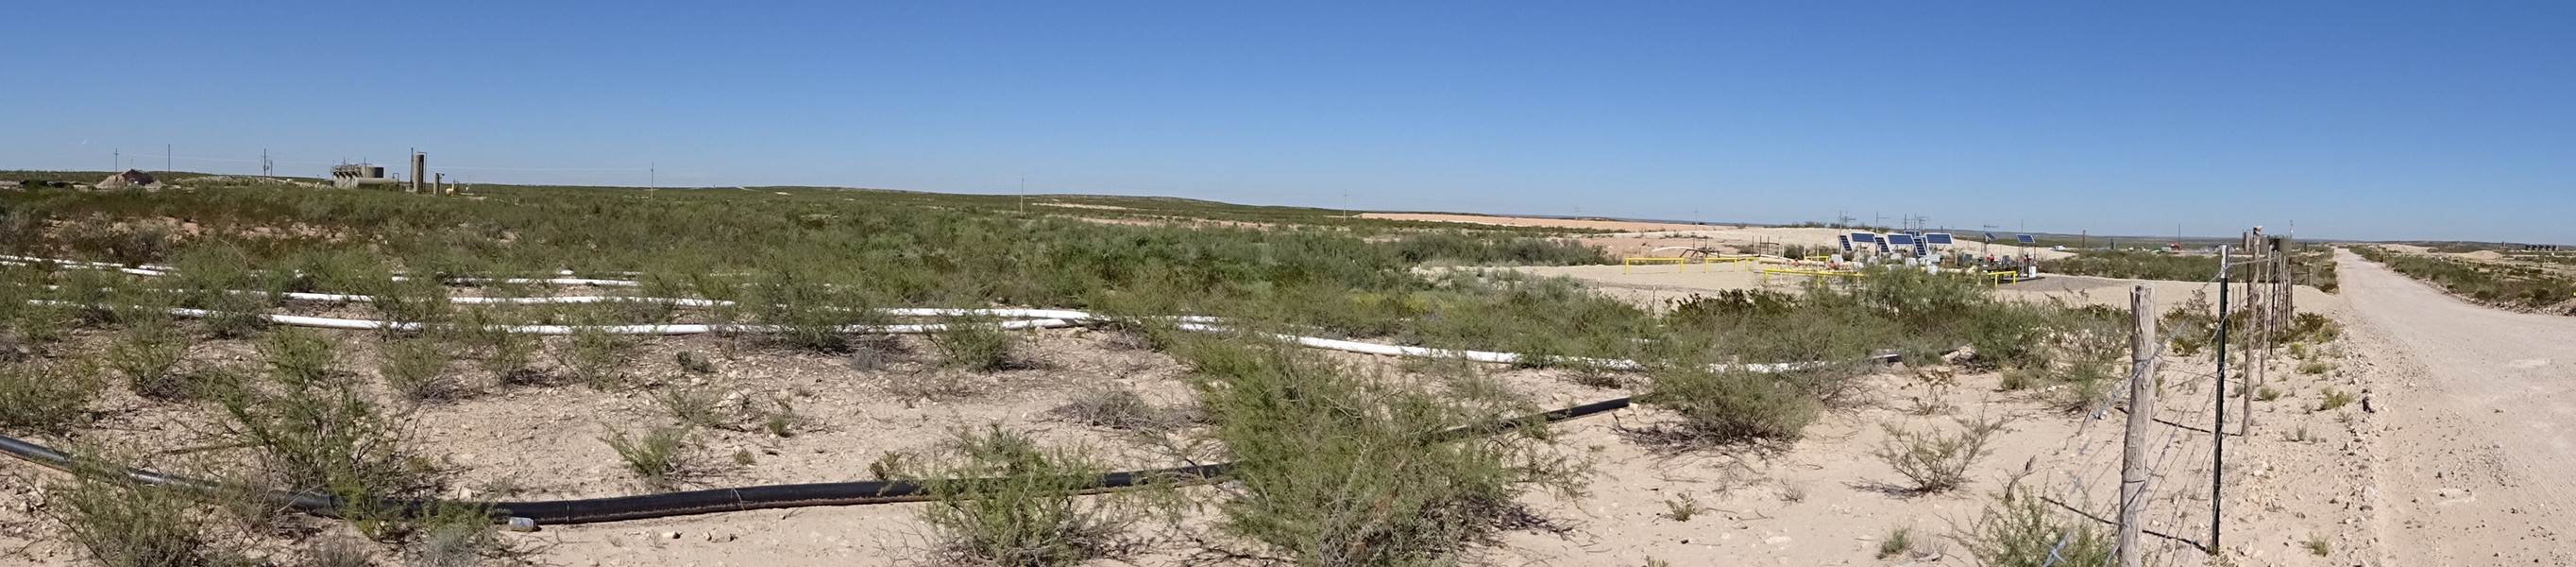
(352,175)
(2540,248)
(131,178)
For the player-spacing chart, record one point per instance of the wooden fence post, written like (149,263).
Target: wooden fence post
(2142,409)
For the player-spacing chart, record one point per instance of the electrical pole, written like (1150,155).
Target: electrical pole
(652,175)
(266,168)
(165,159)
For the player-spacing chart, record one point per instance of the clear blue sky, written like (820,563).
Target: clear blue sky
(2368,120)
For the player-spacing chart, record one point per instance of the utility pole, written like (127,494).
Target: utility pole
(1024,193)
(652,175)
(266,168)
(2142,410)
(165,159)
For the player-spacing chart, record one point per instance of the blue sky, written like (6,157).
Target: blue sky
(2351,119)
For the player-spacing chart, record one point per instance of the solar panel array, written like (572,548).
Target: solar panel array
(1938,238)
(2025,239)
(1900,240)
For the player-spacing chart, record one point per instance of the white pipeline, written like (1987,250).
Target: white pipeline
(1026,319)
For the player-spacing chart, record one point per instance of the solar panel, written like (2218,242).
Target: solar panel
(1900,239)
(1845,240)
(1864,237)
(2025,238)
(1941,238)
(1990,237)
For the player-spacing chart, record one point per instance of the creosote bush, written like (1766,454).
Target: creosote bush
(1722,407)
(1115,408)
(976,346)
(416,369)
(315,430)
(1340,468)
(1004,500)
(148,354)
(118,522)
(1934,462)
(47,397)
(2019,529)
(659,458)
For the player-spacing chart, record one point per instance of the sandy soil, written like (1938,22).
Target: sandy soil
(2478,403)
(1822,501)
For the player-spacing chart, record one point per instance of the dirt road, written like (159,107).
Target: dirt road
(2478,405)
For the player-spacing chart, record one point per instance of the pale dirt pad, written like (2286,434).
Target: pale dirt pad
(2479,404)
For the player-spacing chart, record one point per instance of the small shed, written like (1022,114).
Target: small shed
(131,178)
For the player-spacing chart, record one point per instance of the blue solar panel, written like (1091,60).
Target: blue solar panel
(1900,239)
(1845,240)
(1864,237)
(1941,238)
(1990,237)
(2025,238)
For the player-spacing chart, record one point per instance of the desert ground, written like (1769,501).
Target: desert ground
(2416,430)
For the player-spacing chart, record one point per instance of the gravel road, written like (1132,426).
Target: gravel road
(2478,406)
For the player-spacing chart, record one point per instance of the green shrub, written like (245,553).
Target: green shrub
(2137,264)
(315,430)
(2019,529)
(595,356)
(148,354)
(698,406)
(974,346)
(1002,500)
(47,397)
(660,458)
(117,522)
(1898,542)
(1719,407)
(2331,398)
(2506,285)
(1934,462)
(416,369)
(1115,408)
(1338,469)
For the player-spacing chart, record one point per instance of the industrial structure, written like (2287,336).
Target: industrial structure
(352,175)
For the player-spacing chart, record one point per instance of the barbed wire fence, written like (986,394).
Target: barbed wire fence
(2170,457)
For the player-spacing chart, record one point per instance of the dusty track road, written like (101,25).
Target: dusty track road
(2478,405)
